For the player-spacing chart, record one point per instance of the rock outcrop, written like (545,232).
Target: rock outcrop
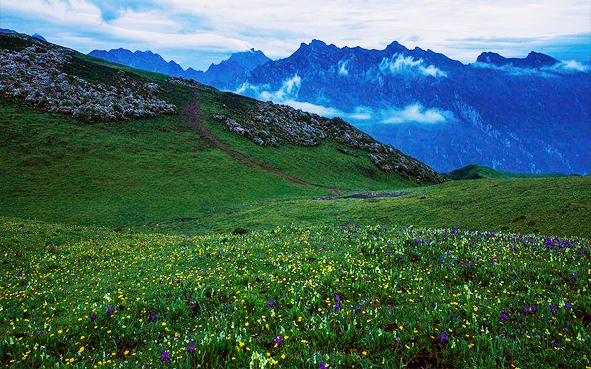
(273,125)
(35,74)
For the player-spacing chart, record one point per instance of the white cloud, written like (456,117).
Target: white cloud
(287,94)
(400,64)
(279,26)
(563,67)
(569,66)
(343,72)
(416,113)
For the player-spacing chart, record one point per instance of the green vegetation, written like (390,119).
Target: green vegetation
(173,242)
(159,171)
(291,297)
(479,171)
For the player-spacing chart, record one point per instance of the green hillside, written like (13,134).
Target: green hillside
(479,171)
(188,172)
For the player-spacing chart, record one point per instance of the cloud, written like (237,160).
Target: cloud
(360,113)
(278,27)
(287,94)
(288,91)
(562,67)
(399,64)
(343,72)
(416,113)
(569,66)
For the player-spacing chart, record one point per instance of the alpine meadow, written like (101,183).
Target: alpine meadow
(314,207)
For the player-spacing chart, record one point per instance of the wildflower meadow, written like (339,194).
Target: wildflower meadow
(312,297)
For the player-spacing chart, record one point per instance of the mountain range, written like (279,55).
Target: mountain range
(523,115)
(226,73)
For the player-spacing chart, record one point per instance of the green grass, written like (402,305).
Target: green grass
(54,167)
(349,297)
(155,171)
(479,171)
(552,206)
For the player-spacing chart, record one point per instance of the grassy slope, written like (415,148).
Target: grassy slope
(150,171)
(56,168)
(553,206)
(479,171)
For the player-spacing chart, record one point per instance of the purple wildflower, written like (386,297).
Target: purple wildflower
(41,333)
(554,344)
(443,337)
(153,317)
(574,276)
(503,316)
(525,310)
(553,308)
(336,307)
(337,298)
(271,303)
(93,317)
(20,273)
(191,347)
(110,310)
(453,315)
(567,305)
(534,309)
(165,357)
(358,309)
(322,365)
(492,261)
(278,340)
(228,306)
(513,249)
(441,260)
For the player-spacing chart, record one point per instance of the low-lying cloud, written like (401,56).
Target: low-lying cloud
(400,64)
(288,93)
(416,113)
(562,67)
(343,71)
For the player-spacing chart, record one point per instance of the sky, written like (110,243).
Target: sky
(196,33)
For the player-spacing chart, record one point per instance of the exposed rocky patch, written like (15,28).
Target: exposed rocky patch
(273,125)
(35,74)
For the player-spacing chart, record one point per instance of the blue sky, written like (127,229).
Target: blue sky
(197,33)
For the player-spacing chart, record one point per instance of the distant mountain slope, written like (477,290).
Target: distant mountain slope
(524,115)
(218,75)
(39,37)
(145,60)
(533,60)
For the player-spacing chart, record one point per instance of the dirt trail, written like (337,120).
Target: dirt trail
(191,114)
